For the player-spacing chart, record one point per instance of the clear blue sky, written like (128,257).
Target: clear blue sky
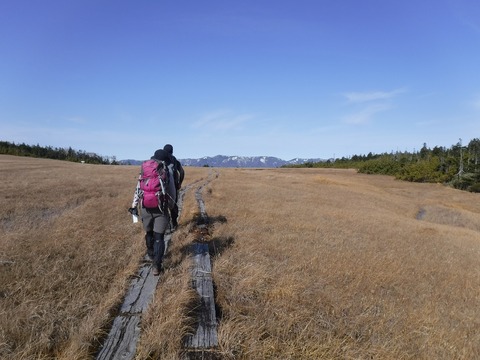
(303,78)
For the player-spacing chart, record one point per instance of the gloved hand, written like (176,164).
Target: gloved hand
(133,211)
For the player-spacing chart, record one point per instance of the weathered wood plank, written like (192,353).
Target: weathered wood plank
(122,339)
(140,292)
(205,335)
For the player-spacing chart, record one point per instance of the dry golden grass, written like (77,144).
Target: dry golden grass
(70,255)
(334,264)
(68,249)
(310,264)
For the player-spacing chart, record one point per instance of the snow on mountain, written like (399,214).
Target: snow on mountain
(235,161)
(244,161)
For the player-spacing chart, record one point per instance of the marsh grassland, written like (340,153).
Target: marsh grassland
(307,264)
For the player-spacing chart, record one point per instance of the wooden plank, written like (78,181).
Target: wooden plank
(205,335)
(140,292)
(122,339)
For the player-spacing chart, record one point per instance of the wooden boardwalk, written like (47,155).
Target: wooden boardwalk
(122,339)
(205,336)
(201,344)
(121,342)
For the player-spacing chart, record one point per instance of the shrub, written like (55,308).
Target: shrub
(386,165)
(424,171)
(475,188)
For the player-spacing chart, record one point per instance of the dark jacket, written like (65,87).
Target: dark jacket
(179,173)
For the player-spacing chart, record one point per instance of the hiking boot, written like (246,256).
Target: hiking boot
(150,255)
(157,270)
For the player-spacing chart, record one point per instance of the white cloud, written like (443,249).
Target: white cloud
(362,97)
(368,104)
(366,114)
(222,120)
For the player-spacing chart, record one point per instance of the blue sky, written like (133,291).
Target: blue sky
(303,78)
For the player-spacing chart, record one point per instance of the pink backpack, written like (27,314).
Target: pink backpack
(153,183)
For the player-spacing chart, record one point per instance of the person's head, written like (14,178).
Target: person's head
(161,155)
(168,148)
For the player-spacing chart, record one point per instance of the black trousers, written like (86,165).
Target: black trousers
(174,210)
(155,247)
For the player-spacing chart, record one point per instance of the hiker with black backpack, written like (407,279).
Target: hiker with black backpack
(178,175)
(156,194)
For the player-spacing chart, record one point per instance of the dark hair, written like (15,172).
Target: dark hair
(161,155)
(168,148)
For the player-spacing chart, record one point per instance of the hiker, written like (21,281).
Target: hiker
(155,192)
(178,174)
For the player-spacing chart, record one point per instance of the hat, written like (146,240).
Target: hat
(161,155)
(168,148)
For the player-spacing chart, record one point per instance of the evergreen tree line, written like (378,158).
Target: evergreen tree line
(49,152)
(458,166)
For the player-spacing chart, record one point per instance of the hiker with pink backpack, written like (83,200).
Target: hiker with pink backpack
(156,195)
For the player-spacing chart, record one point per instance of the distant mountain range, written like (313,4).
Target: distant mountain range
(235,161)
